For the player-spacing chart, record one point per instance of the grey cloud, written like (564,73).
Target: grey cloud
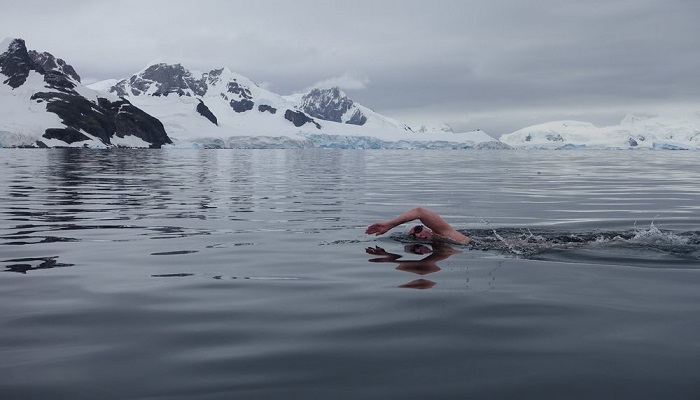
(444,60)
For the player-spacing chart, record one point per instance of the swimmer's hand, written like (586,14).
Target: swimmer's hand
(379,228)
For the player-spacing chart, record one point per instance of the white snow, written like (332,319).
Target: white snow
(129,141)
(103,86)
(640,131)
(24,120)
(254,128)
(439,128)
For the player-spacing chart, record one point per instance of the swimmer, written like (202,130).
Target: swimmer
(434,227)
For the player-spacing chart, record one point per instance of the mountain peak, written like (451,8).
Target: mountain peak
(12,44)
(161,79)
(440,128)
(331,105)
(51,63)
(15,63)
(334,91)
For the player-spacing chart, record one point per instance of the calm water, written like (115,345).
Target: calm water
(223,274)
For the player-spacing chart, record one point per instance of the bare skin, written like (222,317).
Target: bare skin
(434,227)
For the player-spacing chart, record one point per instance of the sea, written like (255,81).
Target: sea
(247,274)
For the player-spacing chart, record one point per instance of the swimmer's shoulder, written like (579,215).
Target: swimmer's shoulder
(461,240)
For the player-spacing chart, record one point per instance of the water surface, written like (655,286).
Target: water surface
(218,274)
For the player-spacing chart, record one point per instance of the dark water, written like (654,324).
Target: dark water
(223,274)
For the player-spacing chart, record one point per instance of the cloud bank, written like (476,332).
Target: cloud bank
(496,66)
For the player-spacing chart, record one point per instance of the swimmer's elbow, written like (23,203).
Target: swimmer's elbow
(421,211)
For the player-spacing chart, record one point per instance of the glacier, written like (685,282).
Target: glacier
(326,141)
(648,131)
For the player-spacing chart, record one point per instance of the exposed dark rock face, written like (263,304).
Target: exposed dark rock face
(242,105)
(51,63)
(298,118)
(357,118)
(163,79)
(331,105)
(103,119)
(68,135)
(59,81)
(15,63)
(204,111)
(245,103)
(214,76)
(167,79)
(266,108)
(131,120)
(242,91)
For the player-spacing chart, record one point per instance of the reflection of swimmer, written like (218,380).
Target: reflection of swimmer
(427,265)
(434,227)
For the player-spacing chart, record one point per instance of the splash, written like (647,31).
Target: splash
(527,243)
(669,242)
(524,244)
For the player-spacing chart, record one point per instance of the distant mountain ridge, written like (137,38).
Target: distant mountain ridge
(44,104)
(442,128)
(665,131)
(240,92)
(332,105)
(223,109)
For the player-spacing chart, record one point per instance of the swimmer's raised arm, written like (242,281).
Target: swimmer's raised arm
(436,226)
(427,217)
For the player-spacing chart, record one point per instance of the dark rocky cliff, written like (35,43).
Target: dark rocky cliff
(101,118)
(332,105)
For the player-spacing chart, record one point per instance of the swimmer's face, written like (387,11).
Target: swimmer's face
(420,232)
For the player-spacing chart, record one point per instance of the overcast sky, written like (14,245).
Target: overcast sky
(494,65)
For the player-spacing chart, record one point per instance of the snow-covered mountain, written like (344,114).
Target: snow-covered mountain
(636,131)
(430,129)
(223,109)
(43,104)
(51,63)
(332,105)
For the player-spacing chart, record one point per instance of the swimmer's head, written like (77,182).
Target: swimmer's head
(420,232)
